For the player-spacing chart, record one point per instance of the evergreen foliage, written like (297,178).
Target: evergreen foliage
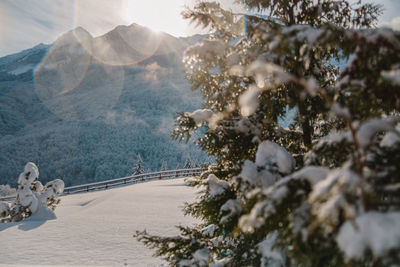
(164,166)
(102,142)
(325,190)
(195,164)
(138,168)
(188,163)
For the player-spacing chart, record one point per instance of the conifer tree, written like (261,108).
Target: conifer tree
(322,192)
(195,164)
(188,163)
(138,168)
(164,166)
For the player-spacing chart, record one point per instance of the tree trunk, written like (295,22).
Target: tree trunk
(305,125)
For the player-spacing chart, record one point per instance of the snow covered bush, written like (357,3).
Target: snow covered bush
(322,192)
(6,190)
(31,196)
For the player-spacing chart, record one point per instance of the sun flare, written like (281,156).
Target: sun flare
(159,16)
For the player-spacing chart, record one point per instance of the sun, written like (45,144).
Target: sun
(158,15)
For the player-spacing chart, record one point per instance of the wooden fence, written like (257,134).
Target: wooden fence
(133,179)
(169,174)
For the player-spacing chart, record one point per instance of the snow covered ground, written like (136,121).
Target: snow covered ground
(95,229)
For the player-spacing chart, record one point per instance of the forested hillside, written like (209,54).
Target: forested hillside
(82,109)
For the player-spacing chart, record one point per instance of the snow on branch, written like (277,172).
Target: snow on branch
(393,76)
(216,186)
(201,116)
(272,160)
(208,49)
(370,128)
(329,197)
(372,231)
(267,74)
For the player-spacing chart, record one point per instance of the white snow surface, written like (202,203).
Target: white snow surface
(249,101)
(269,153)
(392,75)
(217,186)
(209,230)
(338,110)
(201,116)
(30,173)
(313,174)
(22,69)
(390,139)
(373,126)
(270,158)
(329,196)
(233,207)
(210,49)
(252,176)
(95,229)
(271,256)
(376,231)
(43,213)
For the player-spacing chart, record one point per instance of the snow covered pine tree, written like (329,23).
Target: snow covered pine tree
(322,192)
(138,168)
(164,166)
(32,197)
(188,163)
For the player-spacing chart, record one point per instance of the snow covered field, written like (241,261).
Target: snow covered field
(95,229)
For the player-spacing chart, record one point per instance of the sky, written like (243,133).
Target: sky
(26,23)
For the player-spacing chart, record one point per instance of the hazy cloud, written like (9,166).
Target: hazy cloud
(391,9)
(394,24)
(25,23)
(152,72)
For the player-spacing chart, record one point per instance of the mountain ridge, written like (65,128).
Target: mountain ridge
(83,114)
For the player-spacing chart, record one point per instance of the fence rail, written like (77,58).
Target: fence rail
(8,198)
(169,174)
(133,179)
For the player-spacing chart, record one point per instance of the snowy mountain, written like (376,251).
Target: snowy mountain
(83,107)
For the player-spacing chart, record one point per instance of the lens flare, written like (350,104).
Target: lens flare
(126,45)
(73,85)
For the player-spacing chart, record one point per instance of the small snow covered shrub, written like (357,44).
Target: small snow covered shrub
(6,190)
(326,190)
(31,196)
